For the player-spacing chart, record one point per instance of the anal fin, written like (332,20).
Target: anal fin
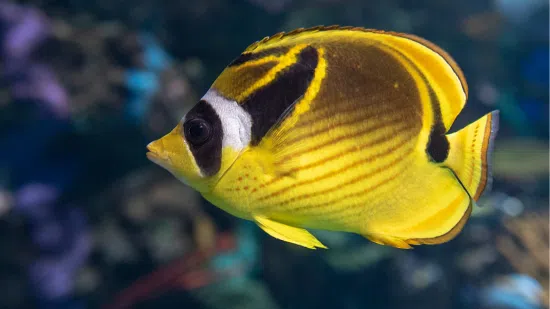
(388,241)
(449,211)
(452,233)
(295,235)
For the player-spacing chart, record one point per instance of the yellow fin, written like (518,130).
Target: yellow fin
(288,233)
(432,210)
(452,233)
(444,76)
(470,151)
(437,220)
(265,158)
(389,241)
(267,154)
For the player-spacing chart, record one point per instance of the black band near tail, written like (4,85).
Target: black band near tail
(438,144)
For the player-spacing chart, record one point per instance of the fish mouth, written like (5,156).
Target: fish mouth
(154,155)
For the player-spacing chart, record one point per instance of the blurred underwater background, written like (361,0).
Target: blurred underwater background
(86,221)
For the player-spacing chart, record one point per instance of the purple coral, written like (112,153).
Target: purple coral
(24,29)
(62,236)
(59,232)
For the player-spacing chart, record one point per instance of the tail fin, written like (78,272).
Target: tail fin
(470,154)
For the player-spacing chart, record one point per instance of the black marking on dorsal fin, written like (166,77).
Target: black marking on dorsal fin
(250,56)
(270,103)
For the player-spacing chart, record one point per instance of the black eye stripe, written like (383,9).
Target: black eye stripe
(197,131)
(207,154)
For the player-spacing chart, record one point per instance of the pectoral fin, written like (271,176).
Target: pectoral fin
(288,233)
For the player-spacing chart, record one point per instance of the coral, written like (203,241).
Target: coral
(526,247)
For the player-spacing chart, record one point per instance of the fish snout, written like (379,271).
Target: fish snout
(156,152)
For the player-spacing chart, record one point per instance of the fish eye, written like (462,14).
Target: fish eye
(197,131)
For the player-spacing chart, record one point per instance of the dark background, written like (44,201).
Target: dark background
(86,221)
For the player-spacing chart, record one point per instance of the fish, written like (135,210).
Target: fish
(337,128)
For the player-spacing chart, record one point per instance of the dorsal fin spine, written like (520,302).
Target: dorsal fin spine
(282,35)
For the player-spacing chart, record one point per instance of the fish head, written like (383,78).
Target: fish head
(172,153)
(205,143)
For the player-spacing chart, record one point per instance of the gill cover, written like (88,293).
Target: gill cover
(208,139)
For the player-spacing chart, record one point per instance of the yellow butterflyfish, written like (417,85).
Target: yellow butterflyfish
(336,128)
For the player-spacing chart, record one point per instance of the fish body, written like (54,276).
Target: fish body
(337,128)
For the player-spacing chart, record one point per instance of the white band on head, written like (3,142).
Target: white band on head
(236,122)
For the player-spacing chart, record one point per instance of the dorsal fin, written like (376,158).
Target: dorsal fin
(305,31)
(281,35)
